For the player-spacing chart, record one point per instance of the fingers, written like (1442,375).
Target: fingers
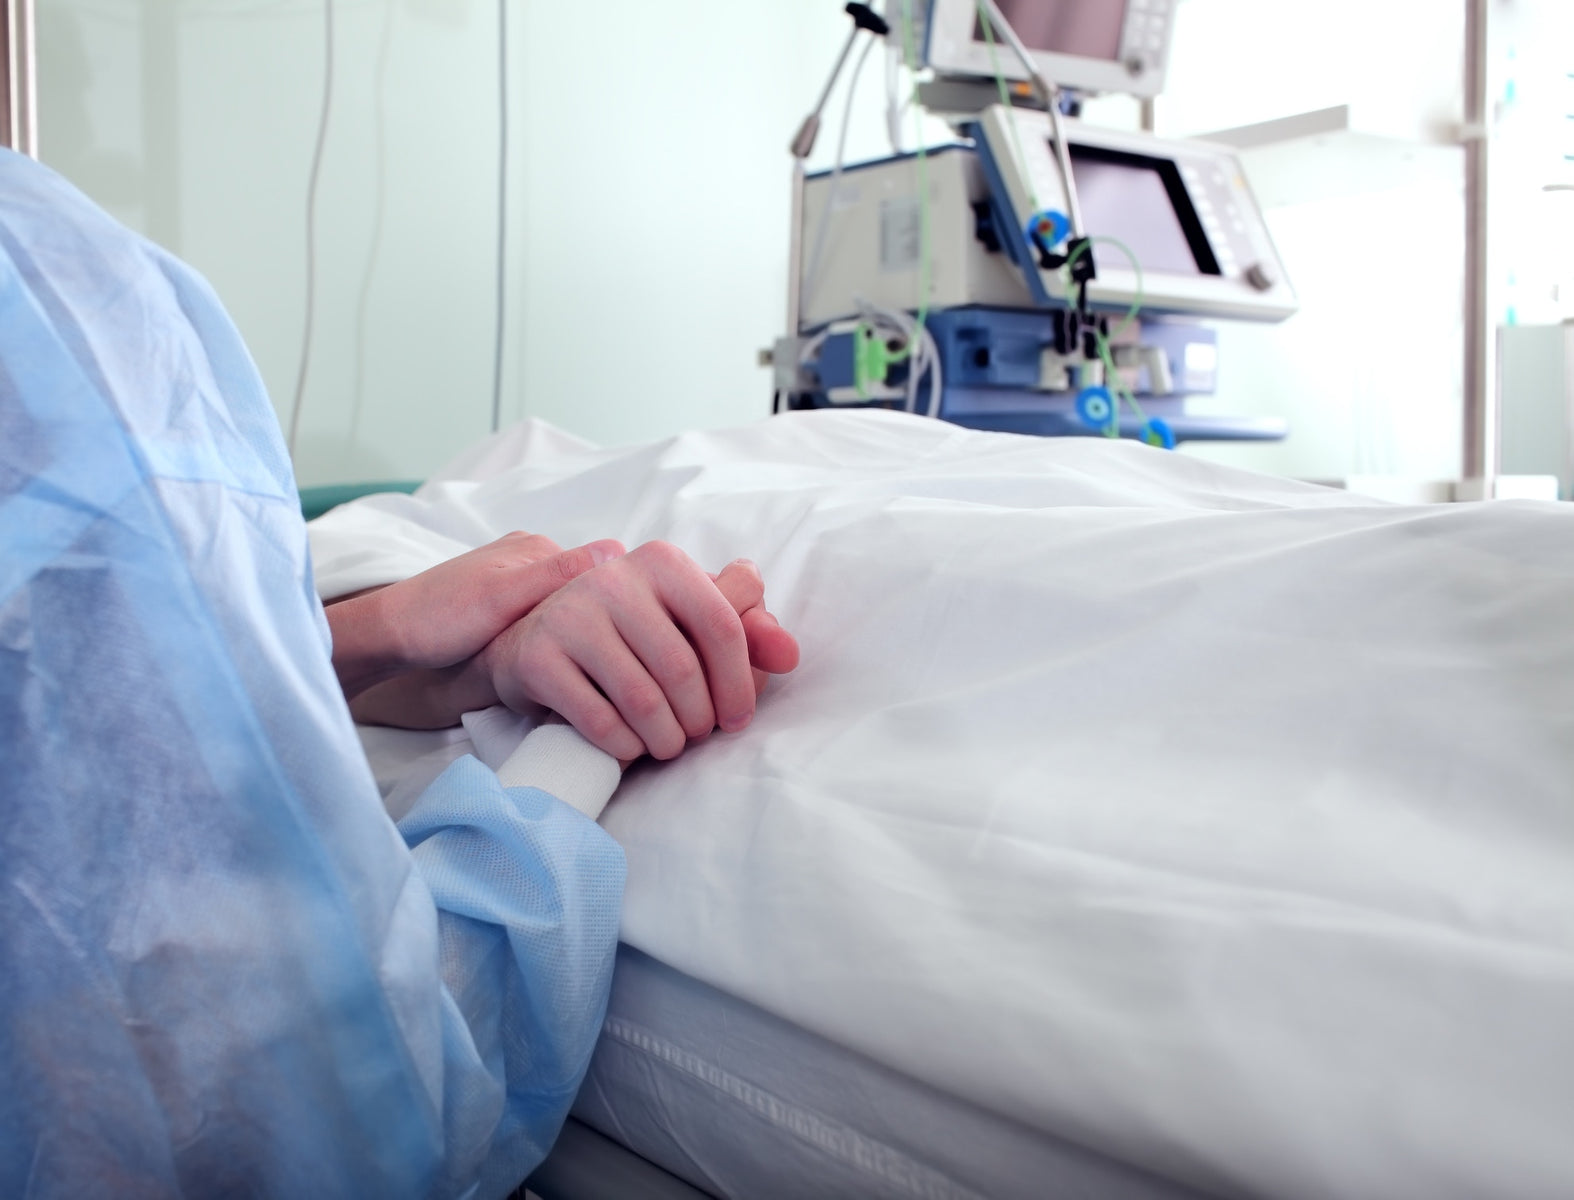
(665,611)
(742,585)
(584,653)
(673,666)
(617,660)
(711,622)
(563,686)
(647,653)
(771,648)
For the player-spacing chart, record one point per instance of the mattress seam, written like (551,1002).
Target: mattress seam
(833,1138)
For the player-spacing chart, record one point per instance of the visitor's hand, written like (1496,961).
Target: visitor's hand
(447,614)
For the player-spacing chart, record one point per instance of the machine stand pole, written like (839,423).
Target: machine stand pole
(1479,465)
(795,253)
(18,87)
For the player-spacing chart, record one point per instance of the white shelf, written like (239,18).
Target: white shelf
(1339,119)
(1332,152)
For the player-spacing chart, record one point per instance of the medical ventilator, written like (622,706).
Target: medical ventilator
(1040,273)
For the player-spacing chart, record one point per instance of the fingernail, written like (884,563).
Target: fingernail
(736,722)
(600,552)
(750,564)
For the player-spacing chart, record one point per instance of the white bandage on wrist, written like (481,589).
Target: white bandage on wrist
(557,759)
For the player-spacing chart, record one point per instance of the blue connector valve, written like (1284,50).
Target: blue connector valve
(1048,229)
(1096,406)
(1157,432)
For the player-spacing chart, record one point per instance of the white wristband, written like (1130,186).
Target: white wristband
(557,759)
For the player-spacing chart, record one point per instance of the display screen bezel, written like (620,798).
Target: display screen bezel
(1175,188)
(981,38)
(948,46)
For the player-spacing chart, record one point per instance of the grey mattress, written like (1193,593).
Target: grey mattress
(739,1103)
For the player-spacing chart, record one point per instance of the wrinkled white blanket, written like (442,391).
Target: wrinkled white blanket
(1220,823)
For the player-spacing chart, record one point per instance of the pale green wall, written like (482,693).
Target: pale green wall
(194,122)
(648,198)
(649,205)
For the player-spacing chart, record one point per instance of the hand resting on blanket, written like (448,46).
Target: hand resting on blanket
(641,650)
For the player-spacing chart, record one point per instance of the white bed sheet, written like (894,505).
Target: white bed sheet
(1220,824)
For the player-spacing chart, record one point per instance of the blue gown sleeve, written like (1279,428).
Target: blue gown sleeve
(222,968)
(524,885)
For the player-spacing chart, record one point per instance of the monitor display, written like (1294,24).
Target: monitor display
(1091,46)
(1085,28)
(1142,202)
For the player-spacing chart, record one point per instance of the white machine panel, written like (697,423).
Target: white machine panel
(871,250)
(1183,208)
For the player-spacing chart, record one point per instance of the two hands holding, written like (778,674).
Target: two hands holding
(641,651)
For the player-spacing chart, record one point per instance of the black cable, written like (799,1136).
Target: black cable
(311,222)
(502,208)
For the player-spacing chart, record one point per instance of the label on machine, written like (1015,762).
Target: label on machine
(901,233)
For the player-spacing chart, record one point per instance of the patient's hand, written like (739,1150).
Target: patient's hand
(640,654)
(646,652)
(448,614)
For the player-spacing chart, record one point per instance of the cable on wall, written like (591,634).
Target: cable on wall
(311,223)
(379,204)
(502,210)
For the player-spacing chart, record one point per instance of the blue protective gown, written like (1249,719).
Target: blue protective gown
(222,969)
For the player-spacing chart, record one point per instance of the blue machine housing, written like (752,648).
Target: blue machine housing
(990,366)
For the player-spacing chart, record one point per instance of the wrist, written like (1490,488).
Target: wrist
(556,758)
(368,646)
(425,699)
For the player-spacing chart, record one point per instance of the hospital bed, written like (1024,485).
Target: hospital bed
(1133,827)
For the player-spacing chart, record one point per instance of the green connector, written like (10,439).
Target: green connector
(872,358)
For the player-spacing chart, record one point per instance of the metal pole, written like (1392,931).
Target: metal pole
(1480,430)
(795,253)
(803,146)
(18,66)
(1566,475)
